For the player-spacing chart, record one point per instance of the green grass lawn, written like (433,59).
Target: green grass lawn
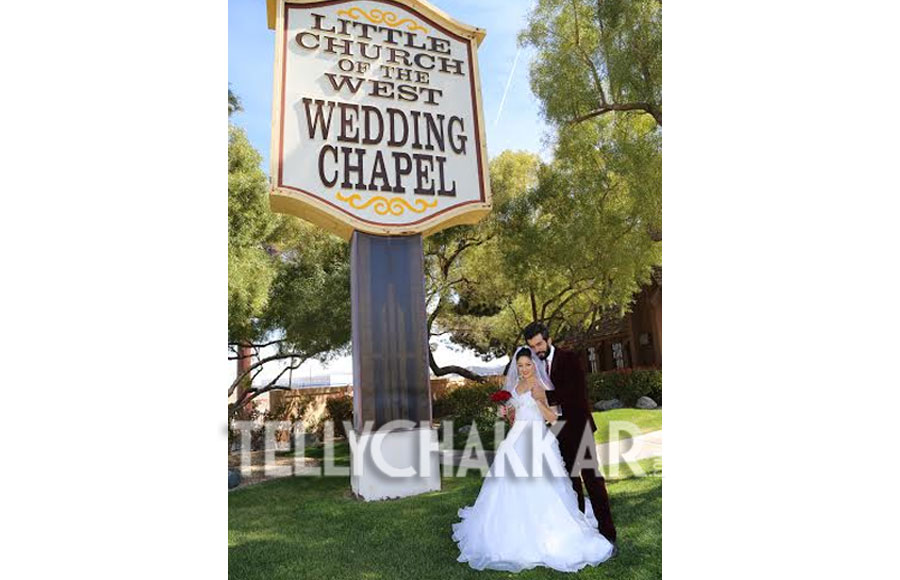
(312,527)
(646,420)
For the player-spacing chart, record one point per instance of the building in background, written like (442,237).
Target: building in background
(629,341)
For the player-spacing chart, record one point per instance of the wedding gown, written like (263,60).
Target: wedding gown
(518,523)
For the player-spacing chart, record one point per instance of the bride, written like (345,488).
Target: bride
(525,517)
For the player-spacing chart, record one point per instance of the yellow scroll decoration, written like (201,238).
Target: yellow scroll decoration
(384,205)
(386,17)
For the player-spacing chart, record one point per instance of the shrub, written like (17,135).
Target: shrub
(653,380)
(627,385)
(469,402)
(340,409)
(309,411)
(257,433)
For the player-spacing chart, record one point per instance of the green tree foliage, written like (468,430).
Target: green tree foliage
(234,103)
(596,57)
(288,281)
(309,300)
(306,310)
(566,240)
(251,224)
(572,238)
(465,292)
(285,275)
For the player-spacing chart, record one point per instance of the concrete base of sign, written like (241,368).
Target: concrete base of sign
(391,466)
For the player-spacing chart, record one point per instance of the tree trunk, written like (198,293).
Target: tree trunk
(244,361)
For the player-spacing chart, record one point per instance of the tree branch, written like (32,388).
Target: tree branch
(515,314)
(252,345)
(648,108)
(559,295)
(258,364)
(587,59)
(462,245)
(252,393)
(233,408)
(434,314)
(451,369)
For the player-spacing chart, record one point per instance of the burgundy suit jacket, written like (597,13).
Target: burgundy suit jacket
(570,392)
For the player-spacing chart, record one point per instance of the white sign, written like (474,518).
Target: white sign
(377,121)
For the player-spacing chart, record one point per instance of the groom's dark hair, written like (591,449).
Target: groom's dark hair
(534,329)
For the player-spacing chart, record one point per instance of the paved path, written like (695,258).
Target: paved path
(625,450)
(641,447)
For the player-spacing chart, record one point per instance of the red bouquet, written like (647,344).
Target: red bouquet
(501,396)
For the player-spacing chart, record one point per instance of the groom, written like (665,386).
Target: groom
(565,372)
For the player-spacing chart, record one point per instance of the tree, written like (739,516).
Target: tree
(288,281)
(234,103)
(596,57)
(309,302)
(565,241)
(582,238)
(449,259)
(307,312)
(251,226)
(570,238)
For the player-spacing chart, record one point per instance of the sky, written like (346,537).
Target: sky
(517,125)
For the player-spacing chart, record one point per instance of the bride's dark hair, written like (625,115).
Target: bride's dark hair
(524,351)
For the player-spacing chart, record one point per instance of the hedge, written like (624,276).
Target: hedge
(627,385)
(471,401)
(340,409)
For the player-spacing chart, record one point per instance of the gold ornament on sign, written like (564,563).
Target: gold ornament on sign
(384,205)
(386,17)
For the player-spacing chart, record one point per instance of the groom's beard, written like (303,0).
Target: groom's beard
(542,355)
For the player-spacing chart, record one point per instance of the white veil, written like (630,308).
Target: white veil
(512,374)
